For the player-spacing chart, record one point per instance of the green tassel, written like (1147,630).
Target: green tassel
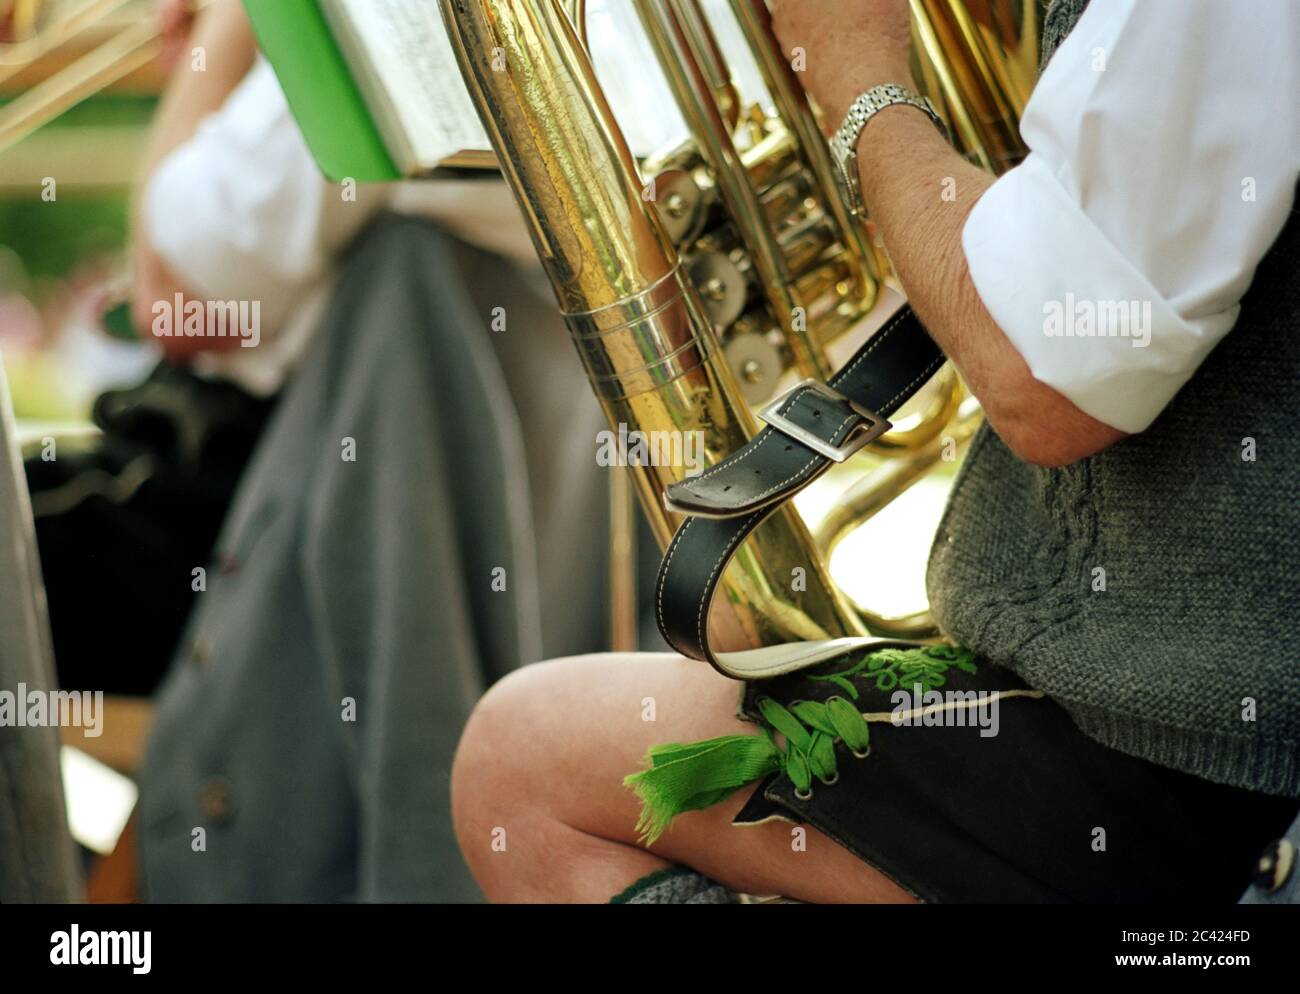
(691,777)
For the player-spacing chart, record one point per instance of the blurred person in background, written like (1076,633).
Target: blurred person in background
(422,508)
(129,517)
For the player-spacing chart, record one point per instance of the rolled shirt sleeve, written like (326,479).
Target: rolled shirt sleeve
(1164,151)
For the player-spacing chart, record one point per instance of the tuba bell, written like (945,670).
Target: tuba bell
(696,282)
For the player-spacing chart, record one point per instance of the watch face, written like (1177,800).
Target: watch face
(845,173)
(842,151)
(838,155)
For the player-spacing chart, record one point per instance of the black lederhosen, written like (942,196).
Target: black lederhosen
(1038,812)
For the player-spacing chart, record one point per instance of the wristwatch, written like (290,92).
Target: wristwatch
(844,143)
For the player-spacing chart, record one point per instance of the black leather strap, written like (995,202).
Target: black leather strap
(730,500)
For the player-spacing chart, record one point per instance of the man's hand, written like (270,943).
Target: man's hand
(847,47)
(175,24)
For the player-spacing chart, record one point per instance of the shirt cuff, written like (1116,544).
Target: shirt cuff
(1087,323)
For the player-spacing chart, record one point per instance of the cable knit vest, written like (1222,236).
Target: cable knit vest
(1153,589)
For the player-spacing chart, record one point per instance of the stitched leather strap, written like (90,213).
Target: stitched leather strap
(728,501)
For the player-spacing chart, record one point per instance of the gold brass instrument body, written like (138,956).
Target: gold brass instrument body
(696,283)
(636,318)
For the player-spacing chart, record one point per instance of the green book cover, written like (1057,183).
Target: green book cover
(321,90)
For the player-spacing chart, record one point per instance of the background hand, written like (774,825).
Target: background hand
(176,22)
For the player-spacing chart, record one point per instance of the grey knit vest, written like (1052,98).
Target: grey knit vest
(1153,589)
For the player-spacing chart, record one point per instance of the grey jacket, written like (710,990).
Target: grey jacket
(377,572)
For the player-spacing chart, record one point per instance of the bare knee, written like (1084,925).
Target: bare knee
(509,777)
(488,770)
(558,738)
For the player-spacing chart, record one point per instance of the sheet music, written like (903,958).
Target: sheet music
(408,74)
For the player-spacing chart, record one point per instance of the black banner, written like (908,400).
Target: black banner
(227,943)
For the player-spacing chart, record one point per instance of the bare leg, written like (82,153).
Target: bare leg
(542,814)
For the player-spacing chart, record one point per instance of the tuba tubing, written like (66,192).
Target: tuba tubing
(635,318)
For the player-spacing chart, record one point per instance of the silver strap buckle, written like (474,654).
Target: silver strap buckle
(864,434)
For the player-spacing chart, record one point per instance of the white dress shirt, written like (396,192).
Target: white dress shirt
(1165,149)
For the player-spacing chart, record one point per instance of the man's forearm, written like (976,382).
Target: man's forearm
(919,193)
(224,35)
(228,47)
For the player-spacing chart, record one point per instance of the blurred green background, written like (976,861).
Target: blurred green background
(62,256)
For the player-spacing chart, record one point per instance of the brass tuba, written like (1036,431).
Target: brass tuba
(696,282)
